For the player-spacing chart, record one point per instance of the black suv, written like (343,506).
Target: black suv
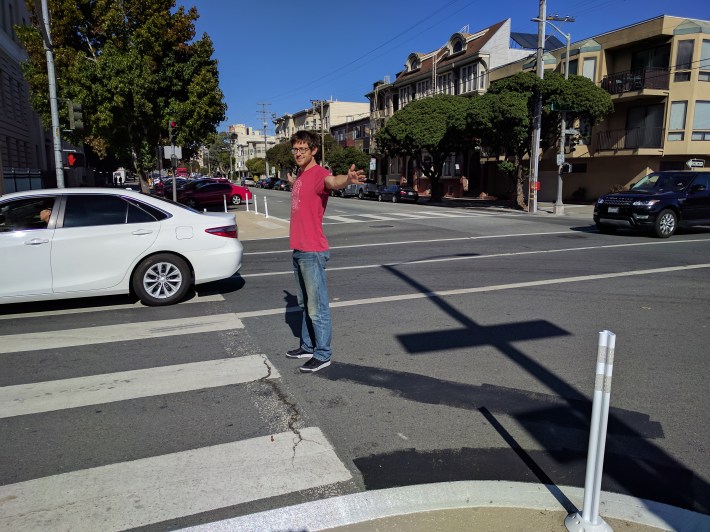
(659,202)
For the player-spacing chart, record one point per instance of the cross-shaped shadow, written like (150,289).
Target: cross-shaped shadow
(633,464)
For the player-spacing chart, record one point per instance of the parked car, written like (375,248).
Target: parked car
(103,241)
(368,189)
(396,193)
(206,194)
(282,184)
(660,202)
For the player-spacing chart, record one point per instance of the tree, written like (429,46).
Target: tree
(509,107)
(280,156)
(256,166)
(430,130)
(133,65)
(341,159)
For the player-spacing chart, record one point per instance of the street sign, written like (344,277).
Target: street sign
(373,164)
(168,152)
(560,159)
(571,131)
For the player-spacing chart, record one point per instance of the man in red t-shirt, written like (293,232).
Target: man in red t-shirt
(309,197)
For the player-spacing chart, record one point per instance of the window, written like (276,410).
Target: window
(90,210)
(423,88)
(444,84)
(573,63)
(24,214)
(701,121)
(405,96)
(468,79)
(684,60)
(458,47)
(704,74)
(589,68)
(676,124)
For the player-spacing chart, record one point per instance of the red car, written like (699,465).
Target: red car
(213,193)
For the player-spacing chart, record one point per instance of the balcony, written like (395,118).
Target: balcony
(637,80)
(630,139)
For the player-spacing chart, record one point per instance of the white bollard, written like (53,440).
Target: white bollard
(589,520)
(224,197)
(256,206)
(266,208)
(247,202)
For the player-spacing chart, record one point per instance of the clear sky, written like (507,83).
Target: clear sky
(285,53)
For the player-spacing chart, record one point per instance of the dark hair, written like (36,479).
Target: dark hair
(309,137)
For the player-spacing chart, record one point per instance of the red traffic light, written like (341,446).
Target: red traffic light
(173,123)
(71,159)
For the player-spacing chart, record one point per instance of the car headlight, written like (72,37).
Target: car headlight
(645,203)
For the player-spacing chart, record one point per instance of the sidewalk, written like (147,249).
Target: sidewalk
(464,506)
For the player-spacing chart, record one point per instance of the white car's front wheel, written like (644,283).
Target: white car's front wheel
(162,279)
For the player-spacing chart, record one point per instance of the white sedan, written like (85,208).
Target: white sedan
(68,243)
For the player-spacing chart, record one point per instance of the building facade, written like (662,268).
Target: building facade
(658,75)
(461,66)
(24,149)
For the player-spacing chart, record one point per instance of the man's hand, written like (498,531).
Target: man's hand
(355,176)
(291,178)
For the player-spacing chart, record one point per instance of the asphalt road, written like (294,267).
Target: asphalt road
(465,346)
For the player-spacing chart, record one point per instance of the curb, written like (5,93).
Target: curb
(489,505)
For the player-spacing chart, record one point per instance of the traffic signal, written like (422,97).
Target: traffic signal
(76,160)
(76,116)
(172,130)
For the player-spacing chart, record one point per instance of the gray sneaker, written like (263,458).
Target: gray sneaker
(314,365)
(298,353)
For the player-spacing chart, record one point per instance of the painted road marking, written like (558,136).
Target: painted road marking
(48,396)
(151,490)
(479,289)
(118,333)
(61,312)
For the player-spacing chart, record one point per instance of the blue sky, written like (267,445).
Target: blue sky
(287,53)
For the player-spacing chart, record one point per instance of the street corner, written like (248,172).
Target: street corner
(256,226)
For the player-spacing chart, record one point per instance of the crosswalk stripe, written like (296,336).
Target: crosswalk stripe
(197,299)
(150,490)
(24,399)
(441,214)
(12,343)
(341,219)
(375,216)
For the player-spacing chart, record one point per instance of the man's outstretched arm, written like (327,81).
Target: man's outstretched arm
(336,182)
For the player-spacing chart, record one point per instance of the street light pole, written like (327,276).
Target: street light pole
(559,207)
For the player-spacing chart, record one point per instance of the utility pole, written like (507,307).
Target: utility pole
(535,149)
(47,41)
(263,113)
(559,206)
(315,104)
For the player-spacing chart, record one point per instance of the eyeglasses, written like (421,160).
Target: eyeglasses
(300,151)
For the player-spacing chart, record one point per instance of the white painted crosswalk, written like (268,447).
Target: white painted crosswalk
(400,216)
(151,490)
(165,487)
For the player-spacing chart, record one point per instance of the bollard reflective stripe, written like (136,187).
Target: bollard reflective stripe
(266,208)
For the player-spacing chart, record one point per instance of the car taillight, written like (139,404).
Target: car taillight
(229,231)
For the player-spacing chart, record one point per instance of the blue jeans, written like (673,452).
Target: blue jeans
(312,295)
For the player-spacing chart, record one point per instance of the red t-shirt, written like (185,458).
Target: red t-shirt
(309,198)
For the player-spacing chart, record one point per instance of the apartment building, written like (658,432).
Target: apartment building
(248,143)
(322,116)
(24,150)
(461,66)
(658,75)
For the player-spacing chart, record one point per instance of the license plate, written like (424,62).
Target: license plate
(613,210)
